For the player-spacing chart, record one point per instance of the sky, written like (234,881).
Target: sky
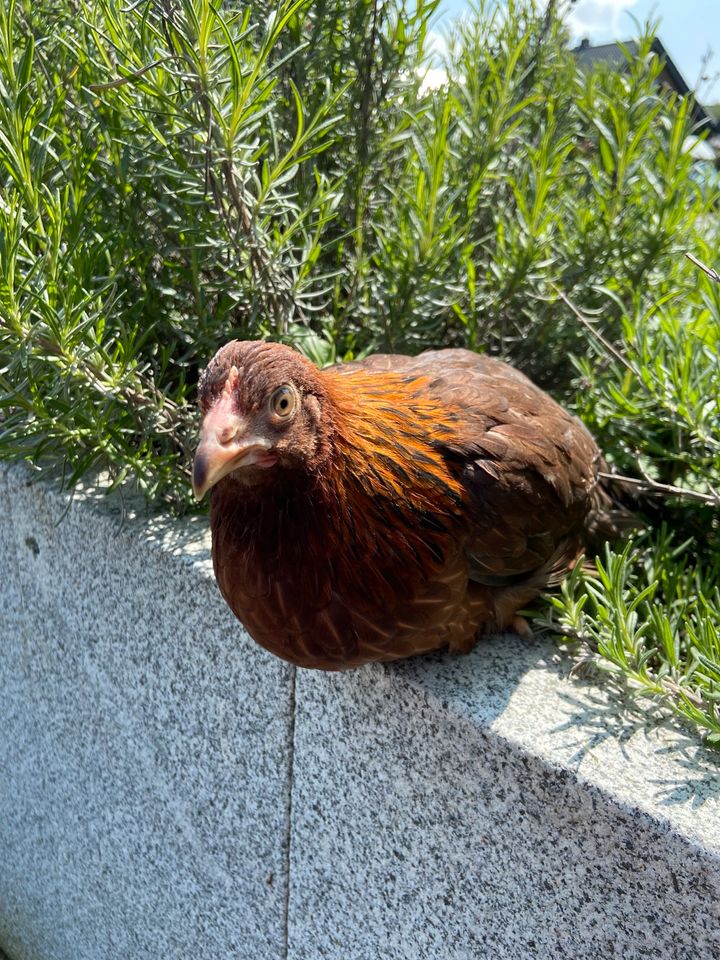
(688,28)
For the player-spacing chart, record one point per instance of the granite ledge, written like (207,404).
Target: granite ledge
(127,722)
(520,692)
(515,695)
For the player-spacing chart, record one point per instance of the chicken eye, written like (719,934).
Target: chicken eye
(283,402)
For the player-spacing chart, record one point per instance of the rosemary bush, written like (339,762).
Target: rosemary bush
(179,172)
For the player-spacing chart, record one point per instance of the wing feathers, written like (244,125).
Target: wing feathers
(527,465)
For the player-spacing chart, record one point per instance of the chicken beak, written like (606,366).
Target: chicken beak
(224,446)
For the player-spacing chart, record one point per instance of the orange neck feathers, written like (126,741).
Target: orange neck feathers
(387,469)
(387,434)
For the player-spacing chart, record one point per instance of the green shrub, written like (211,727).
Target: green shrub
(180,172)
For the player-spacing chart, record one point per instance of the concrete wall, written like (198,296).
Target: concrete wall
(169,790)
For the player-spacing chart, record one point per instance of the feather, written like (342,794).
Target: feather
(407,504)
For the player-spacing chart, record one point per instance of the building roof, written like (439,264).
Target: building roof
(614,55)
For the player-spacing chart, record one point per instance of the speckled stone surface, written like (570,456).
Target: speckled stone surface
(144,747)
(170,791)
(485,807)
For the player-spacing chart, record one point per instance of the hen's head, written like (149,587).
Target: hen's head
(264,408)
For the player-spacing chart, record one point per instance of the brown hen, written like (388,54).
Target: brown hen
(389,507)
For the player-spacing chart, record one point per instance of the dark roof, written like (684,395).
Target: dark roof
(614,55)
(606,52)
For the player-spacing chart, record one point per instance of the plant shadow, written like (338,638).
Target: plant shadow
(600,714)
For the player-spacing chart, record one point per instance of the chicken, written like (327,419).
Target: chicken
(388,507)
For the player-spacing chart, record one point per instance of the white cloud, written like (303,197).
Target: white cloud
(587,17)
(436,47)
(433,75)
(433,79)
